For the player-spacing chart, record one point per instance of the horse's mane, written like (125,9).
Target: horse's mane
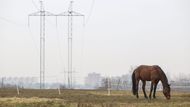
(162,74)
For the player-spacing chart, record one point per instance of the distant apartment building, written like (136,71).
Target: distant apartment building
(93,80)
(24,82)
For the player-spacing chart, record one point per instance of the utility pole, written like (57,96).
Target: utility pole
(70,13)
(42,13)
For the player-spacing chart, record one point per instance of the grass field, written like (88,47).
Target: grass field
(87,98)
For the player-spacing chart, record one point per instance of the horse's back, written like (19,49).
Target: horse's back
(147,72)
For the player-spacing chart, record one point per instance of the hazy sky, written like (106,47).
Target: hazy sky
(117,34)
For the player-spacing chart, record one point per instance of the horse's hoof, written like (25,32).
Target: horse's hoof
(150,97)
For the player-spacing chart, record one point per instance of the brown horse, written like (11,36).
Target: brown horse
(150,73)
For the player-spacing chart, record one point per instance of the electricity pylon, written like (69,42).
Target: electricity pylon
(70,13)
(42,13)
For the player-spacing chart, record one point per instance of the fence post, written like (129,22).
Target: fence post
(17,89)
(59,90)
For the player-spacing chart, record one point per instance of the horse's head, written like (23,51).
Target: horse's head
(166,91)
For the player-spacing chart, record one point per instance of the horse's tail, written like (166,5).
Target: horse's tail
(134,83)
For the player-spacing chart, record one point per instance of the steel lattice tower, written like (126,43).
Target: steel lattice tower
(70,13)
(42,13)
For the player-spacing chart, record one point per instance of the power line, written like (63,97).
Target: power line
(10,21)
(32,37)
(35,5)
(60,54)
(91,10)
(21,26)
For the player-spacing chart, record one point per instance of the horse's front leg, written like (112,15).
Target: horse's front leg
(151,88)
(143,88)
(154,93)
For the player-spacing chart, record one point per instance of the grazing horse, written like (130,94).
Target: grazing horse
(150,73)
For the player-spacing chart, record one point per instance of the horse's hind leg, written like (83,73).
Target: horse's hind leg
(151,88)
(143,88)
(137,88)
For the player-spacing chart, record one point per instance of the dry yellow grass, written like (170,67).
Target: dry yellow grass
(88,98)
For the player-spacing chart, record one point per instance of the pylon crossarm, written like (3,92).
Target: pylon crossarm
(70,13)
(43,13)
(63,14)
(76,14)
(35,14)
(49,14)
